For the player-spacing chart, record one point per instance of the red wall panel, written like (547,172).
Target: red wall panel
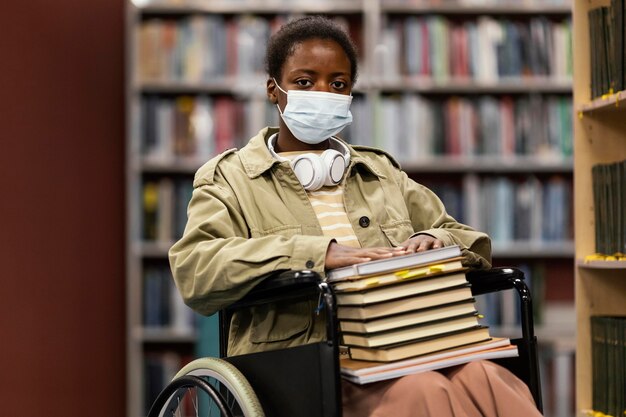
(62,208)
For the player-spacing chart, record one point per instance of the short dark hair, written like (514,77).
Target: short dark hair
(282,44)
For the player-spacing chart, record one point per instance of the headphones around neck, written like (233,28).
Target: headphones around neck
(315,171)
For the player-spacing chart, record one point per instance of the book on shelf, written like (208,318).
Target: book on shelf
(609,191)
(403,305)
(164,213)
(424,315)
(394,264)
(163,307)
(485,49)
(541,210)
(422,346)
(608,357)
(375,293)
(606,32)
(405,334)
(364,372)
(508,126)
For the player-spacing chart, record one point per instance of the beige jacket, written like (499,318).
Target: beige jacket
(249,215)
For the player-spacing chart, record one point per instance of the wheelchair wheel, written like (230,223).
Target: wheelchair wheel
(232,394)
(185,396)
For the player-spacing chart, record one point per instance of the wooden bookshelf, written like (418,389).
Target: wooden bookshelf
(606,103)
(463,86)
(503,8)
(371,15)
(599,137)
(613,265)
(249,7)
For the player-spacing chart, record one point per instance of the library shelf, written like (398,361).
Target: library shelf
(608,102)
(546,333)
(370,17)
(600,287)
(250,87)
(494,164)
(164,335)
(248,7)
(534,250)
(237,86)
(256,86)
(581,263)
(173,166)
(525,85)
(155,250)
(512,250)
(446,164)
(453,8)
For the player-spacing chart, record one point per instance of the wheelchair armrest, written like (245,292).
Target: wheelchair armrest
(283,285)
(498,279)
(495,279)
(279,285)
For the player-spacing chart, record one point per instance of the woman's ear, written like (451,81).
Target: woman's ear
(271,91)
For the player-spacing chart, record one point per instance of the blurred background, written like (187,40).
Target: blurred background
(108,107)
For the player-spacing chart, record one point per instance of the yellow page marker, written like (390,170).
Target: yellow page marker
(594,257)
(372,282)
(437,268)
(415,274)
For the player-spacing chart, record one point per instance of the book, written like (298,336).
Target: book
(401,289)
(363,283)
(403,305)
(397,263)
(404,334)
(608,359)
(609,184)
(364,372)
(422,346)
(410,318)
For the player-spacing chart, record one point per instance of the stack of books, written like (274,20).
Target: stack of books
(401,311)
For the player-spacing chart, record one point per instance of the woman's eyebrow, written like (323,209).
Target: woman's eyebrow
(298,71)
(313,72)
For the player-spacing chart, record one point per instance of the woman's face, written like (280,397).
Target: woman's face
(316,64)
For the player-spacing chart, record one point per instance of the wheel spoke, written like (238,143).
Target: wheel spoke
(214,388)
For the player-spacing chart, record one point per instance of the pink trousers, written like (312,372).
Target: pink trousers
(473,390)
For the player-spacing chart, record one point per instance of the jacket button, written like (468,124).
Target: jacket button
(364,221)
(310,264)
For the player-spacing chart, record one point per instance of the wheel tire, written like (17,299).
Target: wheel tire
(232,379)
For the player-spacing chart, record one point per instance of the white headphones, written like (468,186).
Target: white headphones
(315,171)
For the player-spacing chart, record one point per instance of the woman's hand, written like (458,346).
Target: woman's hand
(421,243)
(340,255)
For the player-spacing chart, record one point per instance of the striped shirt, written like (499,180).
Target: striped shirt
(328,205)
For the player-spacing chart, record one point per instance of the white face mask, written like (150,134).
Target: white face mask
(314,116)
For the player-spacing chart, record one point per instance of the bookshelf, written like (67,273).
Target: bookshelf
(598,138)
(165,89)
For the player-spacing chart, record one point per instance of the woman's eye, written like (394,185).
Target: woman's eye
(303,83)
(339,85)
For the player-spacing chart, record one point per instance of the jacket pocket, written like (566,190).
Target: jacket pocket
(277,322)
(283,230)
(397,231)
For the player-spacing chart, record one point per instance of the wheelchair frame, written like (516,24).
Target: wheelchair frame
(308,376)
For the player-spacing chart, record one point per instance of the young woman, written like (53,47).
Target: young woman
(297,197)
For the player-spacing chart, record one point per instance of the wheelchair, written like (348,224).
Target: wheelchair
(305,381)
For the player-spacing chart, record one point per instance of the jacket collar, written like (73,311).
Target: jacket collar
(256,158)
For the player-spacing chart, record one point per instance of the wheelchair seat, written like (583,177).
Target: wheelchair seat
(305,381)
